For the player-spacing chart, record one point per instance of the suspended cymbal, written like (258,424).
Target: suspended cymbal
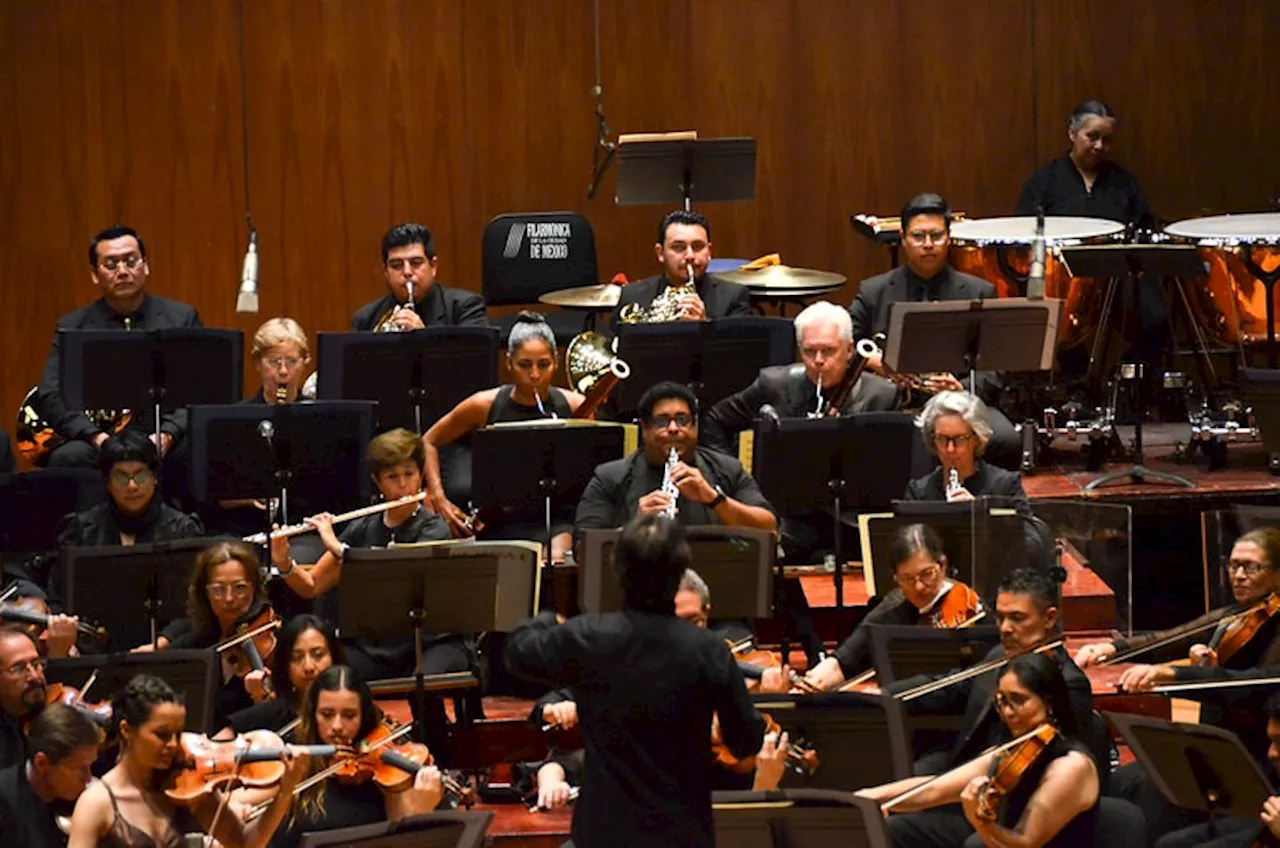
(785,278)
(603,296)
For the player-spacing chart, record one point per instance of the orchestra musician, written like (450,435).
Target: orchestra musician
(927,276)
(647,686)
(62,746)
(128,808)
(120,271)
(22,691)
(339,710)
(58,638)
(410,264)
(956,427)
(684,243)
(306,647)
(280,355)
(531,357)
(923,596)
(1052,802)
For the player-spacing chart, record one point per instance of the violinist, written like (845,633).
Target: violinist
(306,647)
(339,710)
(128,808)
(57,639)
(1044,795)
(1026,615)
(22,690)
(531,359)
(925,595)
(224,595)
(62,746)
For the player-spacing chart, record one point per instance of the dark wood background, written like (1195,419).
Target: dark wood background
(364,113)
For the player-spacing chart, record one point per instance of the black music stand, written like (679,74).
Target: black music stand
(900,651)
(475,587)
(195,675)
(99,583)
(859,462)
(32,506)
(736,563)
(105,369)
(815,818)
(860,738)
(714,358)
(682,171)
(1260,388)
(996,334)
(432,830)
(984,539)
(415,377)
(540,462)
(1196,766)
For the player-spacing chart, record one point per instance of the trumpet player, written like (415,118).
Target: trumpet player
(683,250)
(926,275)
(414,299)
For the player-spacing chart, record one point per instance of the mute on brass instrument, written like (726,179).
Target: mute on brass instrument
(299,529)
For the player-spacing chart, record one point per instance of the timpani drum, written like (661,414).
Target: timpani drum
(999,251)
(1231,303)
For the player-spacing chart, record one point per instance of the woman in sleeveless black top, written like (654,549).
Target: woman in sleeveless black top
(127,808)
(531,358)
(1054,803)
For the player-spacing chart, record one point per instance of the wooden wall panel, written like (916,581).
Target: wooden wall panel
(364,113)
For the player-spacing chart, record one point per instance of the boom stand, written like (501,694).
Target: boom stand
(685,170)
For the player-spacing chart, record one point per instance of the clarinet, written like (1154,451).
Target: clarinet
(669,486)
(953,483)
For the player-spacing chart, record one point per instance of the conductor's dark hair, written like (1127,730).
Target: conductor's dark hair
(914,539)
(58,731)
(682,216)
(650,558)
(1085,111)
(403,235)
(925,204)
(138,698)
(1031,581)
(128,446)
(110,233)
(666,390)
(1042,676)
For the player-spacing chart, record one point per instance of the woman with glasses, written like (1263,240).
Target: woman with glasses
(924,595)
(280,355)
(531,359)
(225,591)
(1053,803)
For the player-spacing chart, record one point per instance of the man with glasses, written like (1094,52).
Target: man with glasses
(120,271)
(409,265)
(926,275)
(22,691)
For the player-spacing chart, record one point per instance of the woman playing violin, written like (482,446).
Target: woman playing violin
(531,359)
(128,808)
(1037,799)
(925,595)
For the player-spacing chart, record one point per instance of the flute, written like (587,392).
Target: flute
(299,529)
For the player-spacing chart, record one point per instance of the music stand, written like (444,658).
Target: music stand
(101,369)
(984,539)
(685,170)
(98,583)
(815,818)
(431,830)
(900,651)
(1260,388)
(449,587)
(858,462)
(736,563)
(996,334)
(860,738)
(415,377)
(195,675)
(32,506)
(540,462)
(1196,766)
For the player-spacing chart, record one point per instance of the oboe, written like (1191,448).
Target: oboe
(953,483)
(669,485)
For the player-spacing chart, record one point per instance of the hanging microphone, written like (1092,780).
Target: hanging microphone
(247,301)
(1035,277)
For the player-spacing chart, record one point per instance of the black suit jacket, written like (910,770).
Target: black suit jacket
(722,298)
(787,389)
(870,309)
(439,307)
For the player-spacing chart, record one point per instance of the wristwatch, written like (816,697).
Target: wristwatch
(720,498)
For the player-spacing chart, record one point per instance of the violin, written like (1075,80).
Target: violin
(254,759)
(392,764)
(25,614)
(1241,629)
(61,693)
(959,607)
(753,662)
(800,759)
(1009,766)
(252,643)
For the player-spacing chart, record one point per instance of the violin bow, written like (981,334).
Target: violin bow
(1176,636)
(974,671)
(1198,685)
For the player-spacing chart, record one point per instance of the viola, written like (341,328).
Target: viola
(254,759)
(1227,641)
(250,646)
(960,607)
(1009,766)
(800,759)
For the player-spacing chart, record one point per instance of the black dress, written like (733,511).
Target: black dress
(345,805)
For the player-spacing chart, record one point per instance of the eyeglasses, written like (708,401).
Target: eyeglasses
(289,362)
(138,478)
(415,262)
(1250,569)
(1014,700)
(24,669)
(111,263)
(662,422)
(223,590)
(925,577)
(919,237)
(952,441)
